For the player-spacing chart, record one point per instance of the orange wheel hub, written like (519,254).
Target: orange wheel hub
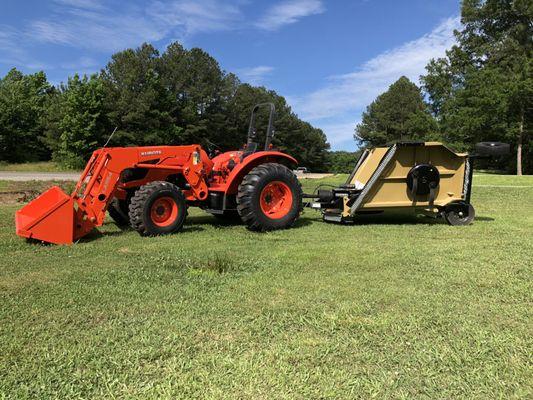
(276,199)
(164,211)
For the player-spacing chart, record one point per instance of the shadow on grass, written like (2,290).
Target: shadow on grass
(405,219)
(396,219)
(227,222)
(369,219)
(208,219)
(304,221)
(95,234)
(37,242)
(193,222)
(484,219)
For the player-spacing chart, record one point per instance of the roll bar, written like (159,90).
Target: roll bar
(252,133)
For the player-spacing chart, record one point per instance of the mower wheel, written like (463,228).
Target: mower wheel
(459,213)
(269,197)
(157,208)
(493,149)
(118,210)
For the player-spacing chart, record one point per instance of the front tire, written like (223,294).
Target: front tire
(269,197)
(157,208)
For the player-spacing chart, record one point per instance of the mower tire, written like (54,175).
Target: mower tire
(118,210)
(157,208)
(458,214)
(493,149)
(269,197)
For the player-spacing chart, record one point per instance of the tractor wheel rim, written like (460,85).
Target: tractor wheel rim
(164,211)
(276,200)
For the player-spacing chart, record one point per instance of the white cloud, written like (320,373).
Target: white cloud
(255,75)
(345,96)
(88,4)
(289,12)
(12,53)
(340,134)
(356,89)
(98,26)
(195,16)
(8,42)
(88,24)
(94,26)
(96,32)
(52,32)
(82,66)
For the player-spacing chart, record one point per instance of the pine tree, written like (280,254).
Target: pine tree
(483,88)
(292,135)
(138,104)
(178,97)
(398,114)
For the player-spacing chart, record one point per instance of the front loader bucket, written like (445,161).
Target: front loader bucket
(50,218)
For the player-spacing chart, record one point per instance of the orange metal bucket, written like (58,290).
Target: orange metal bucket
(50,217)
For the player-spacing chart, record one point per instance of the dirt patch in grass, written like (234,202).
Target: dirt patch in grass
(12,192)
(17,197)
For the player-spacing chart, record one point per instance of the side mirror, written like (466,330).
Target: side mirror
(492,149)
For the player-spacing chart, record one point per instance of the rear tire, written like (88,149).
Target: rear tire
(157,208)
(269,197)
(458,214)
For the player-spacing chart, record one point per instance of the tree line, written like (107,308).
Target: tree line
(481,90)
(178,97)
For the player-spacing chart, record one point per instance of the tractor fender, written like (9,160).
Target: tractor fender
(252,161)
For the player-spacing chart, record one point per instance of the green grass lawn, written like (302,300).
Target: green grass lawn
(392,307)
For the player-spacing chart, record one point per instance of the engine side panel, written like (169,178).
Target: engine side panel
(230,168)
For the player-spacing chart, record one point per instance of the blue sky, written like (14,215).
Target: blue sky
(329,58)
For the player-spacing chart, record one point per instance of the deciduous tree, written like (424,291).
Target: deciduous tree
(81,125)
(22,107)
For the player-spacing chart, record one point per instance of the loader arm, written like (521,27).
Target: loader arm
(58,218)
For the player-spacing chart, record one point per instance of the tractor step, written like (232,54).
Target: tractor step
(332,218)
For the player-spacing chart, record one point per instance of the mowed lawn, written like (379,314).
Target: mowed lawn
(392,307)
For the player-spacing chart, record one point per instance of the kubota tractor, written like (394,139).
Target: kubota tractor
(150,189)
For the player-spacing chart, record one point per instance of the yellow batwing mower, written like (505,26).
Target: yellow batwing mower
(426,177)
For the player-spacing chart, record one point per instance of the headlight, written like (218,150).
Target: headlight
(195,158)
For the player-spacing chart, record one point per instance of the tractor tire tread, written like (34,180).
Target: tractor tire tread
(247,189)
(138,201)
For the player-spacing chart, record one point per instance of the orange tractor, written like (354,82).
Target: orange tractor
(150,188)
